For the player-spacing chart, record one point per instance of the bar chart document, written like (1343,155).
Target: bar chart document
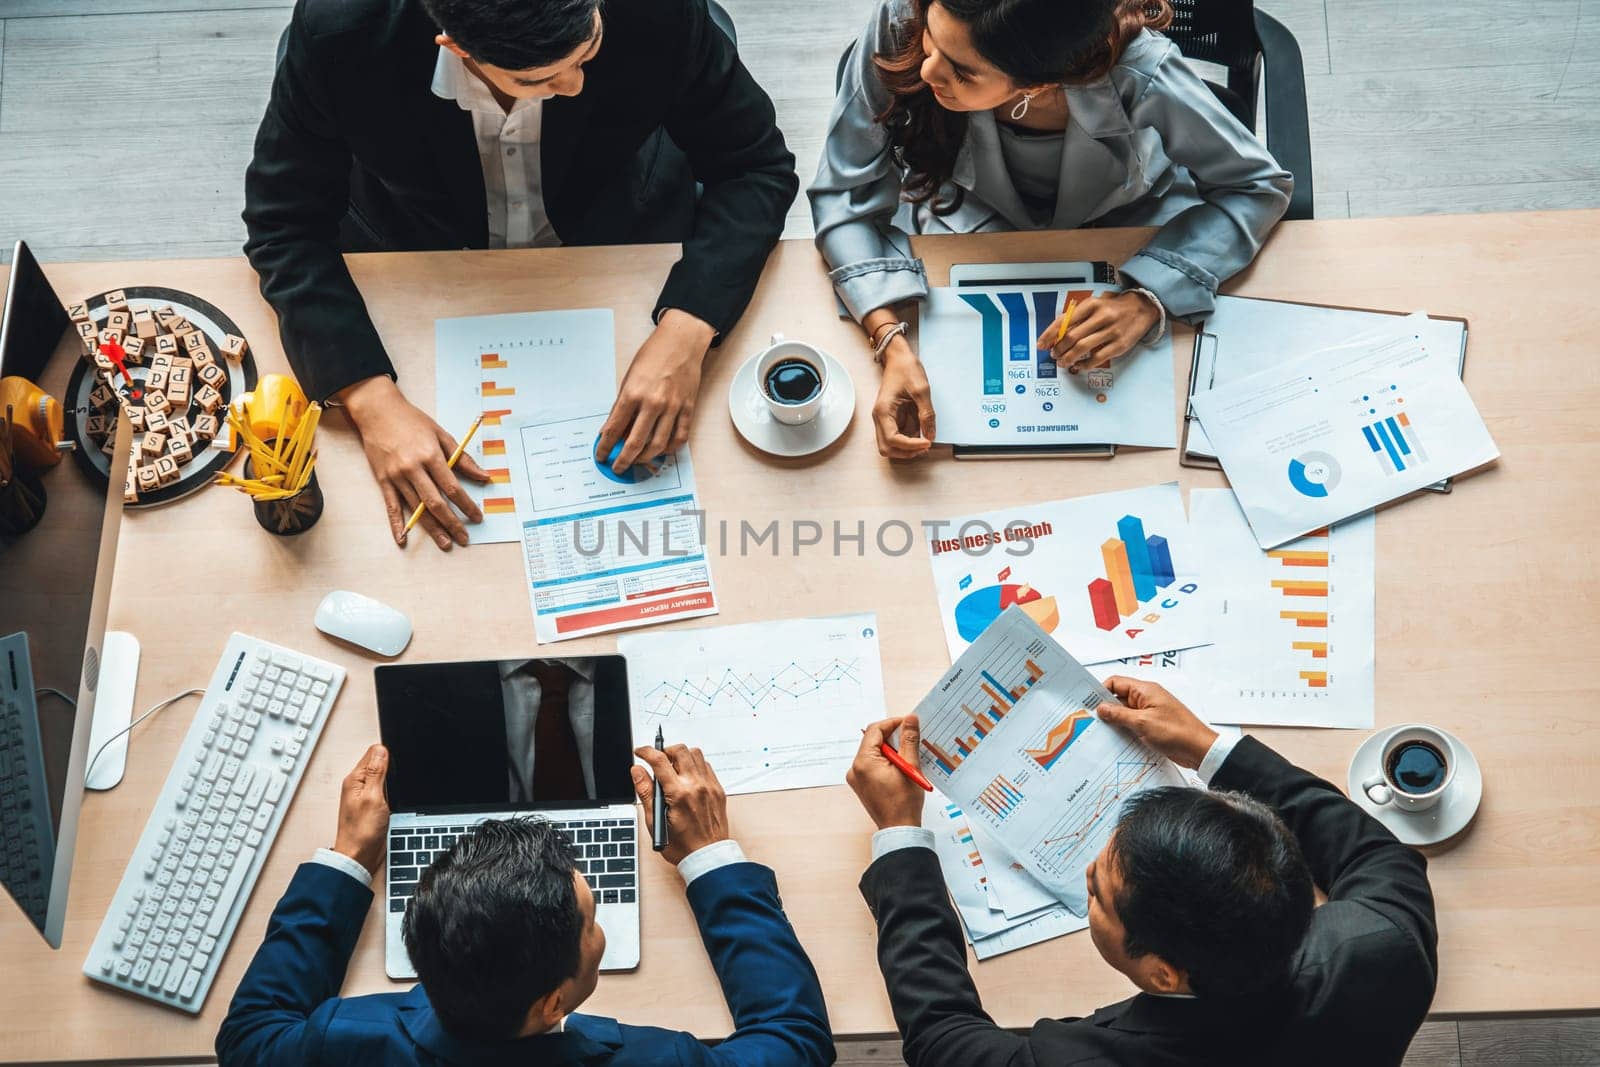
(774,705)
(603,551)
(1296,633)
(1010,736)
(511,368)
(1337,433)
(1108,576)
(992,387)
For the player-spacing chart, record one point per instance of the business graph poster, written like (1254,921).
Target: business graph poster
(991,386)
(1108,576)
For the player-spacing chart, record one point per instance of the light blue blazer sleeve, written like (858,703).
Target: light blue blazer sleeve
(857,189)
(1243,191)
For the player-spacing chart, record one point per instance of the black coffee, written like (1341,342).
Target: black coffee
(793,381)
(1417,768)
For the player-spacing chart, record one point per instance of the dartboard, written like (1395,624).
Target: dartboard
(191,442)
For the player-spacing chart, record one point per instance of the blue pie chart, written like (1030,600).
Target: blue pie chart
(639,472)
(1314,474)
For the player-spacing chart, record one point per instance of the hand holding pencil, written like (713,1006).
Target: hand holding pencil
(455,457)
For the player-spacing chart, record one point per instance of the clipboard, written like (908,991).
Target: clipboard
(1275,325)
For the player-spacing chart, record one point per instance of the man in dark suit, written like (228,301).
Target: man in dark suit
(503,935)
(1202,899)
(400,125)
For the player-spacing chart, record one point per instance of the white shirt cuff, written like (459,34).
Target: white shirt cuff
(893,838)
(701,861)
(340,862)
(1217,755)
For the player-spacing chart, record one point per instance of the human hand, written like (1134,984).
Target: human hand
(697,808)
(903,412)
(409,455)
(1159,719)
(655,406)
(890,797)
(1103,328)
(364,811)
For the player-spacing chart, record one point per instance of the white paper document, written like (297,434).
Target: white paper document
(992,387)
(1109,576)
(510,369)
(603,551)
(774,705)
(1328,436)
(1010,736)
(1296,631)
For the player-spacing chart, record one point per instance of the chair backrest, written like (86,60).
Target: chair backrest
(1222,32)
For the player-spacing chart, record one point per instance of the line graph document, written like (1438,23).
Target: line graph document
(1010,735)
(774,705)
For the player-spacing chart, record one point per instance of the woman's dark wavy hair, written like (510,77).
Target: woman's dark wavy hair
(1032,42)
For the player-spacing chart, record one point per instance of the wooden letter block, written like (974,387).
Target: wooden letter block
(144,323)
(130,488)
(89,336)
(166,346)
(95,426)
(133,351)
(149,480)
(202,358)
(155,421)
(117,300)
(108,447)
(178,448)
(179,398)
(233,347)
(180,325)
(135,418)
(167,470)
(101,396)
(184,361)
(156,400)
(154,444)
(204,429)
(108,335)
(103,364)
(192,340)
(179,376)
(79,313)
(212,375)
(119,320)
(156,380)
(208,398)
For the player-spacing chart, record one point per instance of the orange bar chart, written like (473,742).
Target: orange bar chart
(1315,679)
(499,475)
(492,361)
(492,418)
(1294,587)
(491,389)
(1318,619)
(499,505)
(494,447)
(1299,558)
(1115,554)
(1318,649)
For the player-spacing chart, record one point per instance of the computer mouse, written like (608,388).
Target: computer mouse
(363,621)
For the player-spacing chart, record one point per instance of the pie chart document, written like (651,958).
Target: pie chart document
(1336,433)
(1108,576)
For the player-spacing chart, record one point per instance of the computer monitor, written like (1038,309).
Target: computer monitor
(55,583)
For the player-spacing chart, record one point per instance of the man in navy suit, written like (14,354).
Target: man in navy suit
(502,933)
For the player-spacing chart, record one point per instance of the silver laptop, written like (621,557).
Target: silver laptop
(503,739)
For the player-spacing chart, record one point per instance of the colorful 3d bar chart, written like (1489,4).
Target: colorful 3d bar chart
(1136,567)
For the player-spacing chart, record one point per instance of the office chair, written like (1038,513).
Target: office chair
(1232,34)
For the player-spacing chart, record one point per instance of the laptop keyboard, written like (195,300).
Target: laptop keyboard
(604,849)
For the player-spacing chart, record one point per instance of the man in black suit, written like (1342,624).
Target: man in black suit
(1203,899)
(445,124)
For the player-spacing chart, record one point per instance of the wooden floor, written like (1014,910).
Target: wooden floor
(125,127)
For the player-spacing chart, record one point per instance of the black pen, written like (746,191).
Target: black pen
(658,804)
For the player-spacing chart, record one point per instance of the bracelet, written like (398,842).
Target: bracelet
(888,334)
(1159,330)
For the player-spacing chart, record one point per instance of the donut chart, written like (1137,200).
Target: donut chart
(1314,474)
(982,606)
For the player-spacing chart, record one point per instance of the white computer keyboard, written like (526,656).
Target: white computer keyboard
(27,841)
(208,835)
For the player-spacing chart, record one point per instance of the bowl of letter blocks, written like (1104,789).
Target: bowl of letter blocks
(182,363)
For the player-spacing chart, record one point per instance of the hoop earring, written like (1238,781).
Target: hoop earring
(1022,106)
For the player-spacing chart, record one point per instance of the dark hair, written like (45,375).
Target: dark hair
(516,34)
(1032,42)
(494,926)
(1213,883)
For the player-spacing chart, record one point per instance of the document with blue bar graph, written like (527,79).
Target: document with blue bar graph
(991,386)
(1327,436)
(1010,736)
(604,551)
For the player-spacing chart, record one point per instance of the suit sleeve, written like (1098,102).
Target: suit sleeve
(1351,855)
(923,957)
(296,192)
(770,986)
(290,990)
(725,124)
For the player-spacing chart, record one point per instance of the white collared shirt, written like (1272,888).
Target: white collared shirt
(508,151)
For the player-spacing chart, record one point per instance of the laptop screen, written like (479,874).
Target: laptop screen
(506,734)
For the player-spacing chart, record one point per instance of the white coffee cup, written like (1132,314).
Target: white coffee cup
(1382,788)
(792,412)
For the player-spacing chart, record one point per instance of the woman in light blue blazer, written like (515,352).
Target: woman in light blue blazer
(966,116)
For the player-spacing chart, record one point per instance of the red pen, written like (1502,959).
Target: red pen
(910,770)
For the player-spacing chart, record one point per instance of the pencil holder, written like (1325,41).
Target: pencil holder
(291,515)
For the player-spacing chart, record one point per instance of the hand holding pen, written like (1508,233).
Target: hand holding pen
(885,776)
(692,799)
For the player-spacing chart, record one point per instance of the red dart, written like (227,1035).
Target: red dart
(116,354)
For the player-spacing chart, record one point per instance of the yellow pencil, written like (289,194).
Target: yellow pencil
(1066,321)
(454,456)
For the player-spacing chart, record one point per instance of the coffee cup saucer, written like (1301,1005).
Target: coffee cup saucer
(1439,823)
(753,418)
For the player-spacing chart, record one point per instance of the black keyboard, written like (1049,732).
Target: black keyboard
(604,848)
